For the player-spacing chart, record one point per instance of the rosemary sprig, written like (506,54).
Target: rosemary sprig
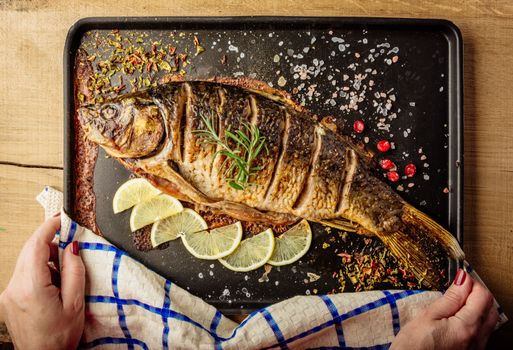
(240,149)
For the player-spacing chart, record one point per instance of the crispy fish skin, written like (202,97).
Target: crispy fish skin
(308,171)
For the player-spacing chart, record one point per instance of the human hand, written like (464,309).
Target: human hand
(463,318)
(40,311)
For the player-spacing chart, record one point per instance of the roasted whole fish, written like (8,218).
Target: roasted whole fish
(307,170)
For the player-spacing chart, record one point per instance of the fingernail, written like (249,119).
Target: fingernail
(74,247)
(57,214)
(460,277)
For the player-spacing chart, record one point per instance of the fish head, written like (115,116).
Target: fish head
(130,127)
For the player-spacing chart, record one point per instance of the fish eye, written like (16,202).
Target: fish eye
(109,112)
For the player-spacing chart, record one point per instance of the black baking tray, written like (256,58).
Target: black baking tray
(427,85)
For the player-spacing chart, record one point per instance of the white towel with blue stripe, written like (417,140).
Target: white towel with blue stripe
(129,306)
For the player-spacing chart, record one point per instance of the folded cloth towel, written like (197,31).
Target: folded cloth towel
(130,306)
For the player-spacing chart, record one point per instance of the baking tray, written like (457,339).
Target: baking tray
(427,86)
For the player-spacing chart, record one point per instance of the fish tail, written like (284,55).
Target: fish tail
(418,244)
(414,219)
(417,261)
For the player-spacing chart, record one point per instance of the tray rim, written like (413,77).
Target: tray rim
(455,84)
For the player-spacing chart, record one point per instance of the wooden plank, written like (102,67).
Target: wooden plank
(31,108)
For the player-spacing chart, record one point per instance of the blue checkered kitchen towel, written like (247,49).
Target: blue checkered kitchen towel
(131,307)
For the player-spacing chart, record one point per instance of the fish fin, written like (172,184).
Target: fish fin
(415,219)
(418,261)
(419,243)
(340,224)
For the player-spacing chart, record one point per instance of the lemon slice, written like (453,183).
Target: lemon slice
(186,221)
(252,253)
(215,244)
(133,192)
(292,245)
(156,208)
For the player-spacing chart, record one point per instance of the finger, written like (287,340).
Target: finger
(477,306)
(46,232)
(453,299)
(35,254)
(36,247)
(488,327)
(72,280)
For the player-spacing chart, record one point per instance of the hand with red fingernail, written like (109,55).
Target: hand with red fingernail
(463,318)
(42,307)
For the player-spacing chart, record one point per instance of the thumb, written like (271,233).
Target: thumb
(453,299)
(72,279)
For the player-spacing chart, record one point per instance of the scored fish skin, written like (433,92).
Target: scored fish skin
(308,171)
(293,165)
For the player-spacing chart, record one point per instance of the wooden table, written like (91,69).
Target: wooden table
(32,34)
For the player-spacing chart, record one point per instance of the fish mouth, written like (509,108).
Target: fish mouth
(88,118)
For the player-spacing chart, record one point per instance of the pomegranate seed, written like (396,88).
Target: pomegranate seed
(387,164)
(359,126)
(410,170)
(393,176)
(383,146)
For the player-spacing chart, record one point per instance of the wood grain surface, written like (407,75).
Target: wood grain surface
(32,34)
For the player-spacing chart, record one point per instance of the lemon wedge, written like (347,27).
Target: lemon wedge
(154,209)
(252,253)
(292,244)
(213,244)
(170,228)
(131,193)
